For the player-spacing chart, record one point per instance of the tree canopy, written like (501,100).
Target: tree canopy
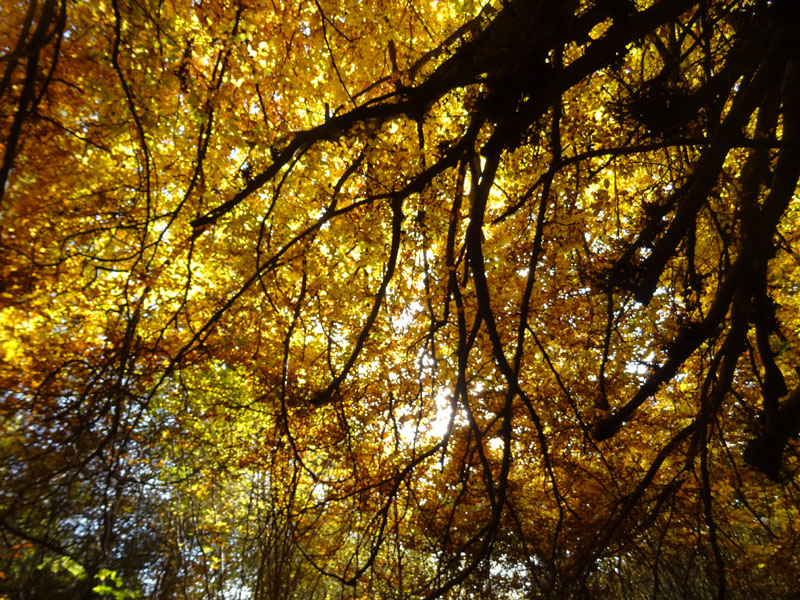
(321,299)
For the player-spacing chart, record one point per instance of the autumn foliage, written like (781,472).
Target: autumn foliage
(321,299)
